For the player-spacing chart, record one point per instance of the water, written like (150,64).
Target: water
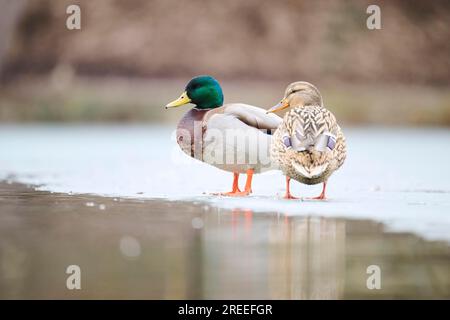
(156,249)
(130,209)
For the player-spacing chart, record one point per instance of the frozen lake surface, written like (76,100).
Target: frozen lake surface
(399,177)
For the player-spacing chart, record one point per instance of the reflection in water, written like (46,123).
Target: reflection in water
(174,250)
(286,258)
(311,258)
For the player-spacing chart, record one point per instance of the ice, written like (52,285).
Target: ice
(396,176)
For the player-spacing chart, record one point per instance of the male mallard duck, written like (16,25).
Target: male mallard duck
(309,145)
(233,137)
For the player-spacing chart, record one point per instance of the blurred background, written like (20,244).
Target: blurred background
(131,57)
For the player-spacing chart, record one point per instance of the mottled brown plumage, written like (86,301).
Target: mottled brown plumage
(296,145)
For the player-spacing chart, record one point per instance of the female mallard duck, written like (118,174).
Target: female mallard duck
(233,137)
(309,145)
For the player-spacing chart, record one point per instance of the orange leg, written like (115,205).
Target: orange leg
(288,194)
(248,187)
(235,188)
(322,195)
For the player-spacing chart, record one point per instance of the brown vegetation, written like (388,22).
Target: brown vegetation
(130,57)
(284,39)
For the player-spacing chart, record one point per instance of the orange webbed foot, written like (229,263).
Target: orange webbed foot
(225,193)
(290,197)
(237,193)
(232,193)
(322,195)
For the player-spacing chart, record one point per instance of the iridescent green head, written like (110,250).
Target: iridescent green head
(203,91)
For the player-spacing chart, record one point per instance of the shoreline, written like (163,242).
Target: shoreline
(368,207)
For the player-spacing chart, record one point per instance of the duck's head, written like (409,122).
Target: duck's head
(298,94)
(203,91)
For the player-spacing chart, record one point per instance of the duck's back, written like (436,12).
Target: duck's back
(309,145)
(312,121)
(240,136)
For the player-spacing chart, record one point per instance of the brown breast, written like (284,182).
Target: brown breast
(190,133)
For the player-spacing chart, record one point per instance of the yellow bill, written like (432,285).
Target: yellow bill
(283,104)
(183,99)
